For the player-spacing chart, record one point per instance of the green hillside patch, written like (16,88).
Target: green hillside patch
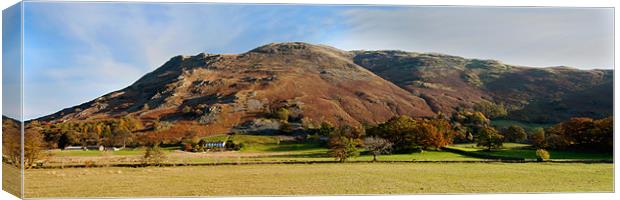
(501,123)
(516,150)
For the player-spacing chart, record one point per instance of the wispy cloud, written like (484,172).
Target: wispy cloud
(107,46)
(579,37)
(79,51)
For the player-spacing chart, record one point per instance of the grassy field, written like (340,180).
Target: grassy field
(122,152)
(319,179)
(256,149)
(11,179)
(282,149)
(525,151)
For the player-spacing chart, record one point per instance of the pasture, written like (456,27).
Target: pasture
(527,152)
(319,179)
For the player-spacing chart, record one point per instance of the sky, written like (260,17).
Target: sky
(11,50)
(75,52)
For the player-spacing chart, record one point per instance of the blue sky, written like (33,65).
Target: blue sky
(76,52)
(11,50)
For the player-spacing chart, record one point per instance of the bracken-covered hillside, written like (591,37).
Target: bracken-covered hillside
(316,83)
(448,83)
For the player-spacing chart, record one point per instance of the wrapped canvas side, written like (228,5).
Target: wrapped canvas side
(12,119)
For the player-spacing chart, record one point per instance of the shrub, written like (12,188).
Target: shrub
(326,129)
(542,155)
(89,163)
(285,127)
(232,145)
(187,147)
(154,156)
(282,114)
(313,137)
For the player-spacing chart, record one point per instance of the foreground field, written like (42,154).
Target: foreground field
(11,179)
(319,179)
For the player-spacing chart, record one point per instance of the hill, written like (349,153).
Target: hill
(313,83)
(449,83)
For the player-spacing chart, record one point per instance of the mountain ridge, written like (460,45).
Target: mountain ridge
(322,83)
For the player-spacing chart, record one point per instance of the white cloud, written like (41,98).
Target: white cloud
(116,47)
(579,37)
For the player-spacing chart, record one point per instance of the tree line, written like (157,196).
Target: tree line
(403,134)
(108,132)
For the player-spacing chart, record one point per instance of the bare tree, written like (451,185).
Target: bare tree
(377,146)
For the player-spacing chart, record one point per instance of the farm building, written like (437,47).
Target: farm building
(91,147)
(211,145)
(73,148)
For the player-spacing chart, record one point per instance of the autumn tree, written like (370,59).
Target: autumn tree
(11,140)
(282,114)
(326,129)
(154,155)
(435,133)
(603,134)
(582,133)
(514,133)
(489,137)
(401,131)
(469,124)
(33,146)
(491,109)
(377,146)
(537,138)
(344,142)
(408,134)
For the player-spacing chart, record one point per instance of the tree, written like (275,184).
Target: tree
(603,134)
(285,127)
(33,146)
(408,134)
(107,135)
(401,131)
(469,123)
(491,109)
(282,114)
(326,129)
(66,139)
(154,155)
(187,109)
(582,133)
(11,140)
(377,146)
(435,133)
(537,138)
(515,133)
(122,133)
(343,143)
(489,138)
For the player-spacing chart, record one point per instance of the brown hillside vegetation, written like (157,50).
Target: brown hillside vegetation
(448,83)
(314,83)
